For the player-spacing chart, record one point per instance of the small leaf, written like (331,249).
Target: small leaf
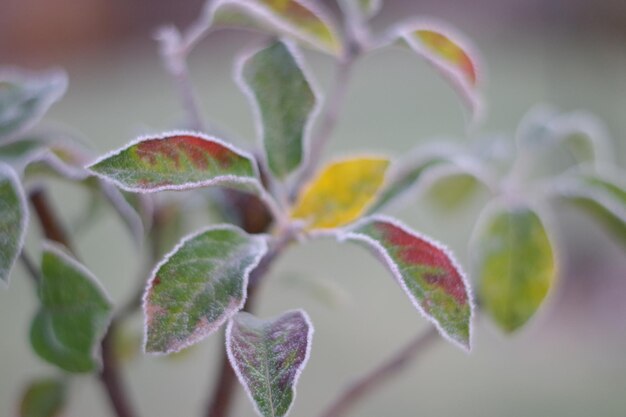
(176,161)
(425,270)
(298,19)
(450,188)
(25,97)
(284,103)
(198,286)
(74,314)
(600,198)
(268,357)
(450,53)
(341,192)
(361,9)
(13,221)
(44,398)
(514,264)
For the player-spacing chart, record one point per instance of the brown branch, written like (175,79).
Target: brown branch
(109,375)
(381,374)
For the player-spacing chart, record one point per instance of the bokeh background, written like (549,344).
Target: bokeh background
(569,361)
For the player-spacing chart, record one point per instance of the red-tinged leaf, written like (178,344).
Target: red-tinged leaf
(177,161)
(301,20)
(450,53)
(426,271)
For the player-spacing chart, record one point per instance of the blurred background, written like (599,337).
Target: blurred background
(569,361)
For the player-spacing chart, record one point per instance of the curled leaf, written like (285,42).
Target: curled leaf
(199,285)
(268,357)
(514,265)
(450,53)
(284,102)
(176,161)
(25,97)
(341,192)
(297,19)
(13,220)
(74,314)
(426,271)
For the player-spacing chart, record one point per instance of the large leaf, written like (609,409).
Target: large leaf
(425,270)
(198,286)
(74,314)
(514,265)
(13,221)
(268,357)
(43,398)
(298,19)
(450,53)
(176,161)
(25,97)
(283,101)
(341,192)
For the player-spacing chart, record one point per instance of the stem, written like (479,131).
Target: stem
(329,117)
(381,374)
(109,376)
(30,267)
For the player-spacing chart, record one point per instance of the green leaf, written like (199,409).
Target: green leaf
(13,221)
(268,357)
(177,161)
(361,9)
(449,187)
(514,265)
(44,398)
(283,101)
(25,97)
(198,286)
(450,53)
(74,314)
(426,271)
(300,20)
(600,198)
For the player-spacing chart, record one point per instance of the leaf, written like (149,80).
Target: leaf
(450,187)
(44,398)
(199,285)
(13,221)
(297,19)
(363,9)
(600,198)
(426,271)
(450,53)
(283,101)
(341,192)
(74,314)
(176,161)
(268,357)
(514,265)
(25,97)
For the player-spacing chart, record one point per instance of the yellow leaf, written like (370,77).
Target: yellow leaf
(341,193)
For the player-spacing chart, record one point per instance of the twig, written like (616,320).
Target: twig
(110,377)
(381,374)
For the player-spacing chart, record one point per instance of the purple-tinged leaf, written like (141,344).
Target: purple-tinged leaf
(514,264)
(283,100)
(301,20)
(268,357)
(13,221)
(199,285)
(450,53)
(25,97)
(44,398)
(177,161)
(426,271)
(74,314)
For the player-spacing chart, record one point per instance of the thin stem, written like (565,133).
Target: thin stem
(381,374)
(329,117)
(31,267)
(110,377)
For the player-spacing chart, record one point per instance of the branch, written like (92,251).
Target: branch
(380,375)
(110,377)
